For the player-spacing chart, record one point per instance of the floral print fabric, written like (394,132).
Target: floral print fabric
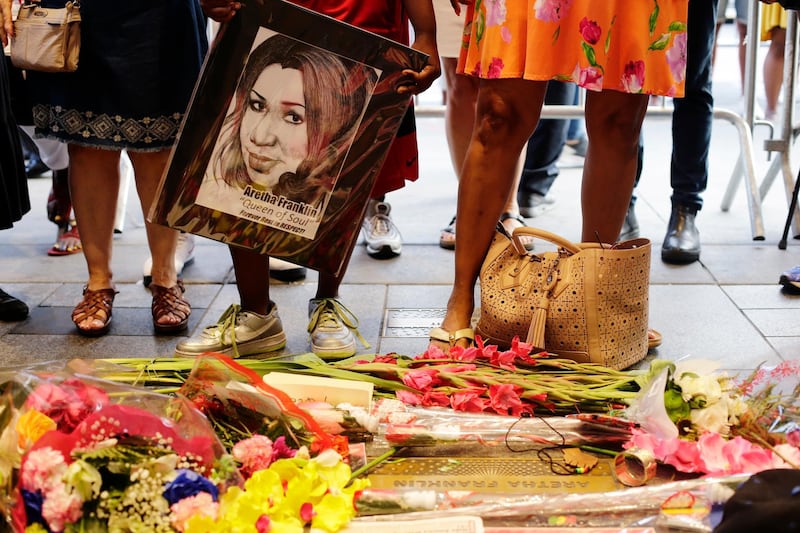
(633,46)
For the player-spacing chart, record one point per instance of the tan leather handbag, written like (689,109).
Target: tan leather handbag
(47,39)
(583,301)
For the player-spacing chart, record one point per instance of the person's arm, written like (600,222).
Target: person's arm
(420,13)
(7,26)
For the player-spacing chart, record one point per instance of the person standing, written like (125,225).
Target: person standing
(691,137)
(14,199)
(137,69)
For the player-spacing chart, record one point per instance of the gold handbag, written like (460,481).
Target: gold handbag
(587,302)
(47,39)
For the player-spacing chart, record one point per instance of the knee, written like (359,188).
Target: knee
(499,118)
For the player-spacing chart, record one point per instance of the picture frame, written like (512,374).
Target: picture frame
(238,173)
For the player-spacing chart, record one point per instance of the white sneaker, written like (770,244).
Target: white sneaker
(237,333)
(332,327)
(382,237)
(184,255)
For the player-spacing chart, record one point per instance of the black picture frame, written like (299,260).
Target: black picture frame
(325,247)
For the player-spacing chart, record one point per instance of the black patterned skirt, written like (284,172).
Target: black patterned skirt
(138,65)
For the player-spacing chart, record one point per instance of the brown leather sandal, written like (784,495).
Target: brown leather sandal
(169,301)
(96,305)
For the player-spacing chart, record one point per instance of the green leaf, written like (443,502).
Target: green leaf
(677,408)
(677,25)
(654,17)
(661,43)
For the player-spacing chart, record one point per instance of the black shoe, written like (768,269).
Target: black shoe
(630,227)
(12,309)
(682,242)
(34,167)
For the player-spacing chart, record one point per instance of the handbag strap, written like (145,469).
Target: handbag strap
(559,241)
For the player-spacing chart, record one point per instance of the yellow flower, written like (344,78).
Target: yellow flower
(31,426)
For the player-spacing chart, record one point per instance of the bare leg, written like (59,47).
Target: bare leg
(507,113)
(613,121)
(148,167)
(742,27)
(459,120)
(94,184)
(252,279)
(773,72)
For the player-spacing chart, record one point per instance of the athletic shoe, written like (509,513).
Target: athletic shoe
(333,328)
(285,271)
(791,280)
(237,333)
(184,255)
(382,237)
(532,205)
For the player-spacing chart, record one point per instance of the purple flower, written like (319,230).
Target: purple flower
(676,57)
(33,507)
(551,10)
(495,12)
(188,483)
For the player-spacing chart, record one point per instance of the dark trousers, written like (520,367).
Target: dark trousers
(694,113)
(546,143)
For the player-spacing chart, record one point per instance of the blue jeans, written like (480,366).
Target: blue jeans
(546,143)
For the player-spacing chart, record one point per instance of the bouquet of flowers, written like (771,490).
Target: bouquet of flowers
(700,420)
(82,454)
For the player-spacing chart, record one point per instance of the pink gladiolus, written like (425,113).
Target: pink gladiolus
(504,360)
(590,31)
(422,379)
(408,397)
(469,401)
(505,400)
(435,399)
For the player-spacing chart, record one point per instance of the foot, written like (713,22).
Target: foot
(285,271)
(447,238)
(170,310)
(510,222)
(790,280)
(333,328)
(532,205)
(381,236)
(236,333)
(630,226)
(68,241)
(92,316)
(12,309)
(184,255)
(452,338)
(682,243)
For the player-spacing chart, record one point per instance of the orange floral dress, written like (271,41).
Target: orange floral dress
(633,46)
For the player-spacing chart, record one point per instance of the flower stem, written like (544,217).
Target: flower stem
(373,463)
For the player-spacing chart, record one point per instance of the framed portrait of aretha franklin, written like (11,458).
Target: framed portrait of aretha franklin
(287,130)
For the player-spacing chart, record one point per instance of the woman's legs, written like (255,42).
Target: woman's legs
(148,168)
(773,72)
(613,121)
(507,113)
(94,184)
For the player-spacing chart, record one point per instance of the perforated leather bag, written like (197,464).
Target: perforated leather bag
(583,301)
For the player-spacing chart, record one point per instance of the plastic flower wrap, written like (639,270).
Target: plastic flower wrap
(700,420)
(94,455)
(239,405)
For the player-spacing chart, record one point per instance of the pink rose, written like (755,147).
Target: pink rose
(590,31)
(633,77)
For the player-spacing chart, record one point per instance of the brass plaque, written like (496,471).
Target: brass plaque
(504,475)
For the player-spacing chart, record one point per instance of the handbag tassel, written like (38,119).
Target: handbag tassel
(536,329)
